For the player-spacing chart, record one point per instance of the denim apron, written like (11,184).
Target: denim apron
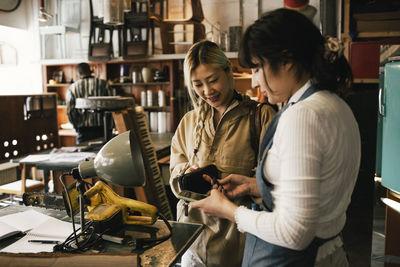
(258,252)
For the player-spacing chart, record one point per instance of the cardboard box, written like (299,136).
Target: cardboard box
(364,58)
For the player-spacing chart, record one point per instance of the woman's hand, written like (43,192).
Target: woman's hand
(236,185)
(217,204)
(191,168)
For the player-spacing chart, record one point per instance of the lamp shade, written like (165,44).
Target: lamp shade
(119,161)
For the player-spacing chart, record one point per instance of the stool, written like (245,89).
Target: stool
(168,33)
(99,48)
(136,31)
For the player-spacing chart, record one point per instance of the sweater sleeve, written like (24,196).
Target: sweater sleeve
(297,154)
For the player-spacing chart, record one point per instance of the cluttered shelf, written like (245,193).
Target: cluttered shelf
(156,57)
(140,84)
(58,84)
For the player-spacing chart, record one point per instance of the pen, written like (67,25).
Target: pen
(45,241)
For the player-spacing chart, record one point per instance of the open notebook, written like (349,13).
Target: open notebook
(50,229)
(20,222)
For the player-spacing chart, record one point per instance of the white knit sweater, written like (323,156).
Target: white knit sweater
(313,165)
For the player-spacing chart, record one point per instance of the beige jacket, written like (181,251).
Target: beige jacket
(229,148)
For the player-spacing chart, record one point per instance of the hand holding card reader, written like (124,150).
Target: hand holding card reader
(194,187)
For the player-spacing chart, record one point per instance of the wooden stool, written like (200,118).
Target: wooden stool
(169,34)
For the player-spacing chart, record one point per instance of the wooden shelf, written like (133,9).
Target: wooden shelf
(378,34)
(140,84)
(58,84)
(366,80)
(158,57)
(157,108)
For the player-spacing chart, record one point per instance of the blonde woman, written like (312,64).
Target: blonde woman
(216,132)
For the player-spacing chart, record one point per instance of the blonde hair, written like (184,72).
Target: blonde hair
(207,53)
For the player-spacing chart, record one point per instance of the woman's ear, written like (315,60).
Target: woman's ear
(288,66)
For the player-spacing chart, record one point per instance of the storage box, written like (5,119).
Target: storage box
(364,58)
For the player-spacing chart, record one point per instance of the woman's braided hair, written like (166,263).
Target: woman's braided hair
(207,53)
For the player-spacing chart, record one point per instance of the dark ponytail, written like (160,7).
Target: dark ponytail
(282,36)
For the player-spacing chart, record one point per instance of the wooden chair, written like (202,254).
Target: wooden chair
(101,47)
(136,31)
(24,185)
(170,35)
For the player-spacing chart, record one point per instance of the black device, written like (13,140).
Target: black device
(193,186)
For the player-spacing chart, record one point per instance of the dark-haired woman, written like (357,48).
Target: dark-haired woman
(310,154)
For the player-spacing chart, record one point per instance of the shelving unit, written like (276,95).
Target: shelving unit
(177,102)
(169,86)
(57,77)
(364,36)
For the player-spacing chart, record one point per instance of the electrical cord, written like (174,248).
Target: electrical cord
(146,243)
(87,230)
(90,238)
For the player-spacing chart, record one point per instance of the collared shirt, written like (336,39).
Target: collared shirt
(296,96)
(84,88)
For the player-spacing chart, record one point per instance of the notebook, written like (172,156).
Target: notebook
(20,222)
(52,229)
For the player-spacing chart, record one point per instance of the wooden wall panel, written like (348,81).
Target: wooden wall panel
(22,133)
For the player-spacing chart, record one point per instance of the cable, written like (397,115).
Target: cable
(146,243)
(85,230)
(89,237)
(70,208)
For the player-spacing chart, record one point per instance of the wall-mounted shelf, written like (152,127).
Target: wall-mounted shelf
(110,70)
(378,34)
(157,108)
(58,84)
(358,80)
(140,84)
(177,103)
(119,59)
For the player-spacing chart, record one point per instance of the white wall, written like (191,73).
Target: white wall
(18,32)
(20,29)
(226,12)
(222,12)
